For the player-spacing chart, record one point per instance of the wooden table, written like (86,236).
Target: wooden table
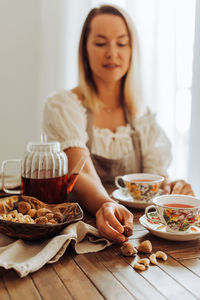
(109,275)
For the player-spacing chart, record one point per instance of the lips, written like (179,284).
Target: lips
(110,66)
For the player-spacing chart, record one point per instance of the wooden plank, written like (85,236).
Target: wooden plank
(49,284)
(192,264)
(3,292)
(75,280)
(181,274)
(18,288)
(157,281)
(185,253)
(104,281)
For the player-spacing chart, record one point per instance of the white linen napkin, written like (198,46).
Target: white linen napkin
(29,256)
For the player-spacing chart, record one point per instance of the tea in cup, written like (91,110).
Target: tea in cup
(177,212)
(140,186)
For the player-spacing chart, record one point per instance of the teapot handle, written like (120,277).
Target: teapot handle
(4,163)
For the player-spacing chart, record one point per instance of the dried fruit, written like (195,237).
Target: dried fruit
(41,220)
(58,217)
(23,207)
(128,231)
(42,212)
(49,216)
(32,212)
(127,249)
(145,247)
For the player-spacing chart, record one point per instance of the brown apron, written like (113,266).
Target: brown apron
(108,169)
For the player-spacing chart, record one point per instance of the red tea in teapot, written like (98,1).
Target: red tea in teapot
(49,190)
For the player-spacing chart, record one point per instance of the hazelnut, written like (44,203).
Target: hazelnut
(23,207)
(145,247)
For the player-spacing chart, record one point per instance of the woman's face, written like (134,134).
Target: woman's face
(108,48)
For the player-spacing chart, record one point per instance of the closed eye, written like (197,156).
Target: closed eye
(100,44)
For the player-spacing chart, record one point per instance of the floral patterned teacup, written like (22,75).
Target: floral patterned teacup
(140,186)
(177,212)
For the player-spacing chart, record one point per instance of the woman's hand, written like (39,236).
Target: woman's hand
(111,219)
(177,187)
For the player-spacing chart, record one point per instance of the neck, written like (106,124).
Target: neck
(110,94)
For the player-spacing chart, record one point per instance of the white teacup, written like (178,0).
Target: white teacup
(177,212)
(140,186)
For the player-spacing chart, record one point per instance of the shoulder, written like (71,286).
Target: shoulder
(70,100)
(147,119)
(77,91)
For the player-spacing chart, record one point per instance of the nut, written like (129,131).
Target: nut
(23,207)
(144,261)
(41,220)
(127,249)
(161,254)
(139,266)
(52,221)
(42,212)
(32,212)
(49,216)
(128,231)
(153,260)
(2,209)
(145,247)
(58,217)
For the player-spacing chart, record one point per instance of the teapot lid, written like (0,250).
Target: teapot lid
(44,146)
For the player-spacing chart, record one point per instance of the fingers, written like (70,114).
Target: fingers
(182,187)
(178,187)
(110,220)
(167,188)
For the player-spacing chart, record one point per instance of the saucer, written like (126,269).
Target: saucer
(158,229)
(127,200)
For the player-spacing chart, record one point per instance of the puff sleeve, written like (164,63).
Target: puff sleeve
(65,120)
(155,145)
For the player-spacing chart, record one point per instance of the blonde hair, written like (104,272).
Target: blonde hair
(131,82)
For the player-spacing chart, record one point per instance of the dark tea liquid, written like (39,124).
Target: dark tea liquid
(49,190)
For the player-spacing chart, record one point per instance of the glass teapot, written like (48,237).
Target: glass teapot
(44,172)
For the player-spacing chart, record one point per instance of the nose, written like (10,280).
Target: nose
(111,51)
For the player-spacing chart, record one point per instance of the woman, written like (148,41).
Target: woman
(105,119)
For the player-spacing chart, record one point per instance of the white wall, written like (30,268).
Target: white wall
(194,145)
(19,65)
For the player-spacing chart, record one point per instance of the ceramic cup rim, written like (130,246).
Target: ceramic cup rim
(174,198)
(141,176)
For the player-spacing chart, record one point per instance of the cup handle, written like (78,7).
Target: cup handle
(117,178)
(4,163)
(147,210)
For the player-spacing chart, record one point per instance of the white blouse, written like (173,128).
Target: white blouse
(65,120)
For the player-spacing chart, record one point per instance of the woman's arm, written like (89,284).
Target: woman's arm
(91,195)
